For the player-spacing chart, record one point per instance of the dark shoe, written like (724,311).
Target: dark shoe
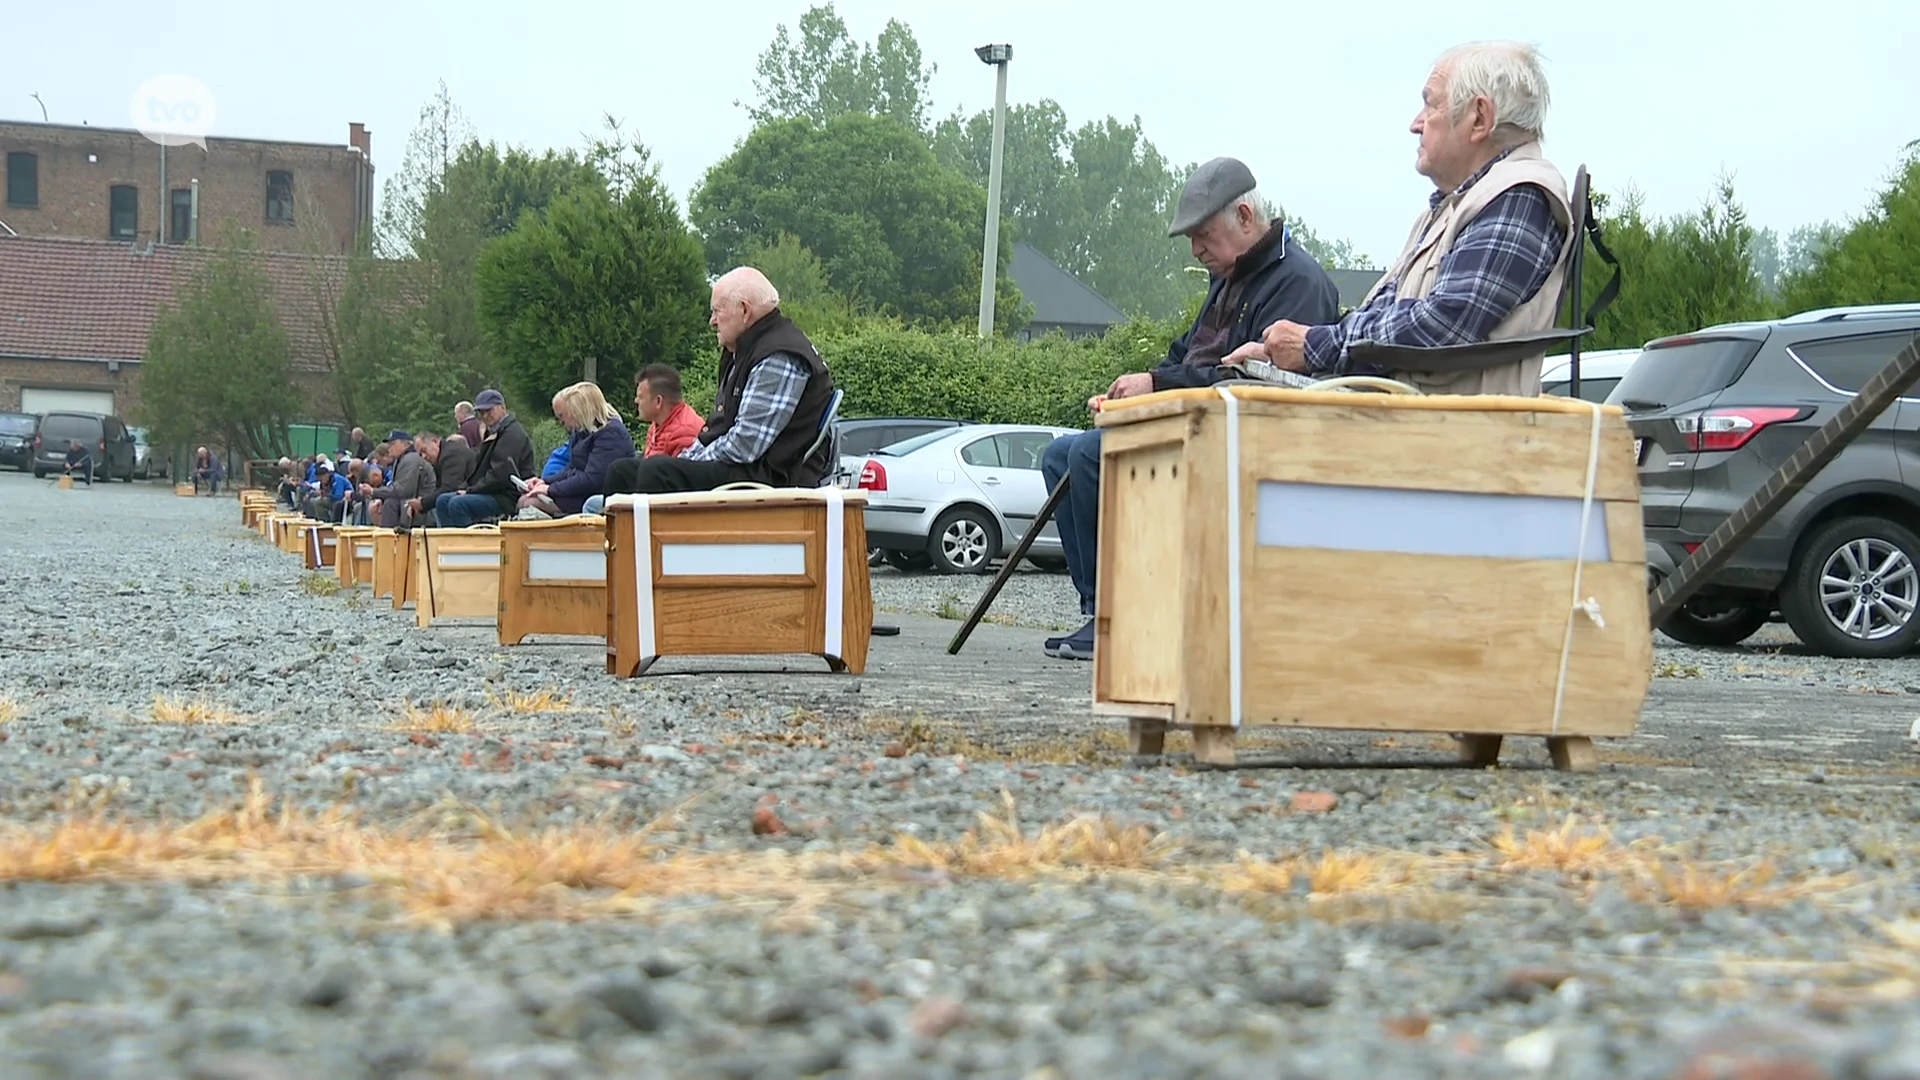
(1075,646)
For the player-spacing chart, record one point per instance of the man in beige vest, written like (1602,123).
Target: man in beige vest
(1486,259)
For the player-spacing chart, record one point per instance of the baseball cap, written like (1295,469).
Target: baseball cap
(396,435)
(488,399)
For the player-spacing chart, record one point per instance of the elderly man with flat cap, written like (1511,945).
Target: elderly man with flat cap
(1258,276)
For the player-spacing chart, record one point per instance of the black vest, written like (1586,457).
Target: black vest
(782,465)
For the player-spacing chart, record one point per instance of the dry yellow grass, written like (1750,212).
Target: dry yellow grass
(8,709)
(439,717)
(530,702)
(175,710)
(1000,847)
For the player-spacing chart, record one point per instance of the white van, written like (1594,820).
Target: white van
(1600,372)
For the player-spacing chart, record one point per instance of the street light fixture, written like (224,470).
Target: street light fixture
(998,57)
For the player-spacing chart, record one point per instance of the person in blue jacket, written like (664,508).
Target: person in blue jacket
(328,493)
(556,462)
(597,438)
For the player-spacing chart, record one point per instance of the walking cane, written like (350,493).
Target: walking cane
(1013,562)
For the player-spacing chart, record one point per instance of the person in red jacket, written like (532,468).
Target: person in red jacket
(672,425)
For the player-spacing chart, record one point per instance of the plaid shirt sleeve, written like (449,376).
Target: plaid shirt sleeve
(1499,260)
(772,393)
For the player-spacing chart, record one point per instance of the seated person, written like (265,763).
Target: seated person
(672,425)
(773,394)
(556,463)
(207,470)
(79,462)
(1486,256)
(327,495)
(413,482)
(506,454)
(287,492)
(1258,274)
(596,439)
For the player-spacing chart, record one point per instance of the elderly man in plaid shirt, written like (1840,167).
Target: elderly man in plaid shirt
(774,392)
(1486,258)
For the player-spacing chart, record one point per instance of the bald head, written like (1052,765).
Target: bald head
(743,296)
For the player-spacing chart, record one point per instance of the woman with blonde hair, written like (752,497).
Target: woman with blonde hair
(596,438)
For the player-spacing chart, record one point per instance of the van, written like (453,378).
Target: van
(105,437)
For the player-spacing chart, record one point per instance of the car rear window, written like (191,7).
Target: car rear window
(16,424)
(1590,389)
(70,427)
(908,446)
(1667,375)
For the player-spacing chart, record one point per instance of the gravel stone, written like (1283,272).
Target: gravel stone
(923,972)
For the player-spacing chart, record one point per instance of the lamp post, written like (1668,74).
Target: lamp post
(998,57)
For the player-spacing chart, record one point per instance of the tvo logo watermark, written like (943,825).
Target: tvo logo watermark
(173,110)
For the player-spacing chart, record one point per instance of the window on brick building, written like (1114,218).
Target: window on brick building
(280,197)
(180,216)
(23,179)
(123,212)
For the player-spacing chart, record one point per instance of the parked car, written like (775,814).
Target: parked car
(16,439)
(146,464)
(105,436)
(961,497)
(1714,414)
(1600,372)
(854,439)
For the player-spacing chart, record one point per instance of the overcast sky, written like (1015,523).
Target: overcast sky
(1807,105)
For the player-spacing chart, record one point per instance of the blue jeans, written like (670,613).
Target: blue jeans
(595,504)
(452,511)
(1077,518)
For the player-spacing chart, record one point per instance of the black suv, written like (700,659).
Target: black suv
(1714,413)
(16,439)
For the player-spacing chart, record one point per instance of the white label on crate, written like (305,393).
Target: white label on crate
(754,560)
(363,551)
(469,558)
(566,564)
(1410,522)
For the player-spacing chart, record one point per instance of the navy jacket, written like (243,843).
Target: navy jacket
(589,455)
(1281,280)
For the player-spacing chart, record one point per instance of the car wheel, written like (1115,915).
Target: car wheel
(1853,589)
(39,474)
(1708,621)
(905,561)
(1052,564)
(963,541)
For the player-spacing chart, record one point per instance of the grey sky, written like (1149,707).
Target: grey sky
(1807,105)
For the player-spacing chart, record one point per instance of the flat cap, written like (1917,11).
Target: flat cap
(1211,189)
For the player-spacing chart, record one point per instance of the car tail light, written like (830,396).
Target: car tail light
(873,476)
(1729,429)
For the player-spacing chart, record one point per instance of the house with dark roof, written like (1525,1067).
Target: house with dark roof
(1354,285)
(1060,300)
(75,315)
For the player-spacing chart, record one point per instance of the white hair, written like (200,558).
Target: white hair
(748,286)
(1253,200)
(1507,73)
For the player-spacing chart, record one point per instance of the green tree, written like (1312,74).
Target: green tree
(388,353)
(219,362)
(1874,260)
(596,286)
(827,74)
(1678,274)
(897,233)
(806,296)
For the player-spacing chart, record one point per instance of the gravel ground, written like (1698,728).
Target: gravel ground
(1739,883)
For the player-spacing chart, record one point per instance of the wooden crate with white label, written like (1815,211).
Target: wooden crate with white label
(392,563)
(456,574)
(777,571)
(318,545)
(353,557)
(553,578)
(1319,559)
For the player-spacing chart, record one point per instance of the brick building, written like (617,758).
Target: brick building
(116,184)
(96,240)
(75,314)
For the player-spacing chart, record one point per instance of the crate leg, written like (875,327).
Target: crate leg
(1146,737)
(835,664)
(1573,753)
(1214,746)
(1479,751)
